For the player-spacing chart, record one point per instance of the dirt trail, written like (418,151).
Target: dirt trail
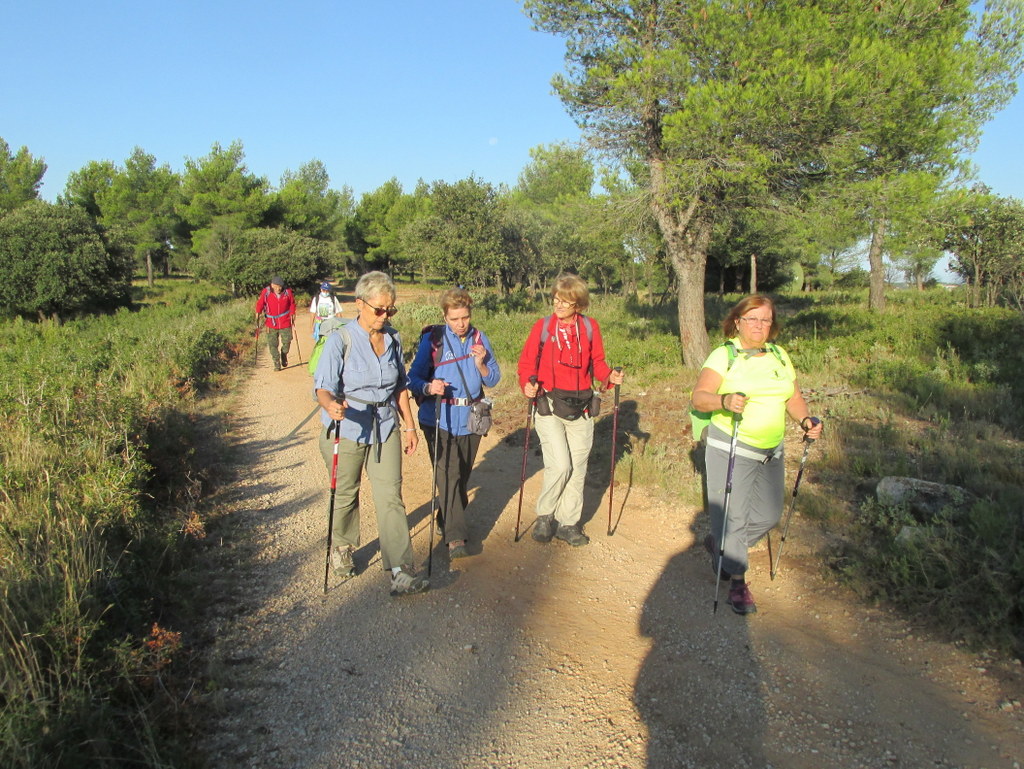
(532,656)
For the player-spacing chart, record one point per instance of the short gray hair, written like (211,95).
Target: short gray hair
(373,284)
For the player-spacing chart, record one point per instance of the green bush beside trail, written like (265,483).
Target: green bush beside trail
(93,414)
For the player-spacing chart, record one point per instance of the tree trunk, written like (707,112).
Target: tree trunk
(686,234)
(149,269)
(876,293)
(753,273)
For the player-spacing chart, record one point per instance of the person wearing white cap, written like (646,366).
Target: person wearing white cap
(325,305)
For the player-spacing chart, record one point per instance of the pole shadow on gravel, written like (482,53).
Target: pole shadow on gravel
(494,491)
(494,482)
(595,493)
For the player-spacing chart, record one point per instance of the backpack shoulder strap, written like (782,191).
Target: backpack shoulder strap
(436,340)
(346,341)
(588,325)
(544,334)
(730,348)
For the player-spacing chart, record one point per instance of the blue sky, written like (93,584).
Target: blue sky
(431,89)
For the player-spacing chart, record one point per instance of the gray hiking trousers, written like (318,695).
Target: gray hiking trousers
(755,504)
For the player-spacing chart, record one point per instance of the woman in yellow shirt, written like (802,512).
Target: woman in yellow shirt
(750,387)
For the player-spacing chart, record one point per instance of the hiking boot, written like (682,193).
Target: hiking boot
(457,550)
(284,360)
(544,528)
(709,545)
(572,535)
(740,599)
(408,582)
(343,562)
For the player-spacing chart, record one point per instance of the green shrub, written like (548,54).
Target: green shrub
(93,414)
(964,573)
(55,263)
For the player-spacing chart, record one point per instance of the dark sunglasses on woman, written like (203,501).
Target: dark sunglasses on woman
(378,311)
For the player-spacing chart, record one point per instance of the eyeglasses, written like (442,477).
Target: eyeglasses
(378,311)
(563,303)
(757,321)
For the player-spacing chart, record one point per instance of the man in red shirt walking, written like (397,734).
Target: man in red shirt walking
(278,304)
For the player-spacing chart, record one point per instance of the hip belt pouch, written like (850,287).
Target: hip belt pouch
(479,422)
(570,404)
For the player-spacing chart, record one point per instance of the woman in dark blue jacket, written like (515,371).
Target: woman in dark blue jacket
(454,362)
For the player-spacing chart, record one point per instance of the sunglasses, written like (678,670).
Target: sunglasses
(378,311)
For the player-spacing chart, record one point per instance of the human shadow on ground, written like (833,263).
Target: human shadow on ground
(812,672)
(698,688)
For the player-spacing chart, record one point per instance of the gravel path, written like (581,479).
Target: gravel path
(532,656)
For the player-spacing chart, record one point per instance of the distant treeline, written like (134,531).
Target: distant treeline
(743,147)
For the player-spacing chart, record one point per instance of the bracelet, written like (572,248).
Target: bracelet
(409,430)
(722,396)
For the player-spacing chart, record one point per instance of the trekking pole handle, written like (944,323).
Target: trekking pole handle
(735,415)
(815,421)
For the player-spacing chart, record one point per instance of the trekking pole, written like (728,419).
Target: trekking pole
(792,503)
(615,432)
(433,481)
(736,419)
(256,346)
(298,348)
(336,427)
(530,408)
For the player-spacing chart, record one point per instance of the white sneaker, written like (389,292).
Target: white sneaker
(407,582)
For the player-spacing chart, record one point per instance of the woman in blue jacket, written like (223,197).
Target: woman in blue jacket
(453,363)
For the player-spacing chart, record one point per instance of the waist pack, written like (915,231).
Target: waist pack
(570,404)
(479,422)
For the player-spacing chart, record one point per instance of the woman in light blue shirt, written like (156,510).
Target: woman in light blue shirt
(362,388)
(453,364)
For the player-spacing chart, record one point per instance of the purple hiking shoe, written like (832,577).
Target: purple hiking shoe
(740,599)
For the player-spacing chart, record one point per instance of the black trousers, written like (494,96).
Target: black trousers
(454,461)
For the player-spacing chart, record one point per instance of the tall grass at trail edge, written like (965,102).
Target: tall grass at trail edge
(930,389)
(96,445)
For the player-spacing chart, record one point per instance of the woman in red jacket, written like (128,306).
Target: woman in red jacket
(565,353)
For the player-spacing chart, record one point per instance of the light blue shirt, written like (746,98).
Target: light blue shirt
(366,376)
